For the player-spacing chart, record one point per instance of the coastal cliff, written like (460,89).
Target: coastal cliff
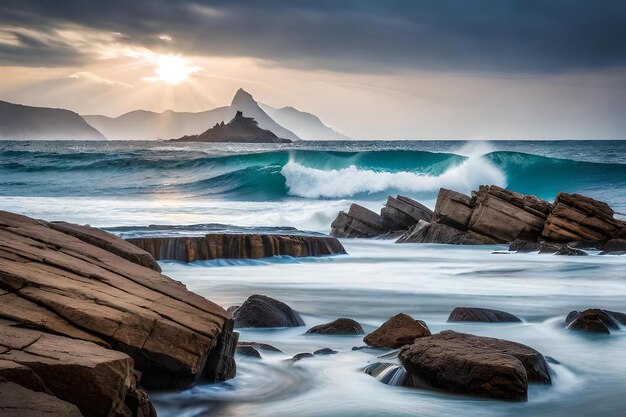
(87,318)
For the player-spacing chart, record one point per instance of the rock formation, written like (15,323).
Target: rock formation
(486,315)
(237,246)
(482,366)
(396,332)
(83,312)
(595,320)
(263,311)
(340,326)
(240,129)
(493,215)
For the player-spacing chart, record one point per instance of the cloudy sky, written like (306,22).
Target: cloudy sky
(420,69)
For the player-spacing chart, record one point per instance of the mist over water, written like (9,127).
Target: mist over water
(304,185)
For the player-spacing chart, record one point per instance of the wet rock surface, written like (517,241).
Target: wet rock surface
(474,365)
(595,320)
(263,311)
(398,331)
(95,317)
(237,246)
(339,326)
(475,314)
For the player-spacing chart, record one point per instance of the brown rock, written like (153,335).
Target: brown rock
(467,364)
(65,285)
(453,209)
(524,246)
(398,331)
(237,246)
(18,401)
(594,320)
(339,326)
(401,213)
(614,247)
(358,222)
(476,314)
(576,217)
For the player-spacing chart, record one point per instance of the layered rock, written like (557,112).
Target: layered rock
(482,366)
(401,213)
(396,332)
(237,246)
(576,217)
(18,401)
(74,289)
(339,326)
(475,314)
(263,311)
(358,222)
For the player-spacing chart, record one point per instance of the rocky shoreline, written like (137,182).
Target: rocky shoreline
(492,215)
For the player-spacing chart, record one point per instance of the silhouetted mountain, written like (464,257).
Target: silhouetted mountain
(239,129)
(147,125)
(18,122)
(305,125)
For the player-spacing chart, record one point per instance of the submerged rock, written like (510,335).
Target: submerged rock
(567,251)
(237,246)
(300,356)
(614,247)
(95,317)
(248,350)
(340,326)
(263,311)
(481,315)
(482,366)
(325,351)
(398,331)
(594,321)
(259,346)
(524,246)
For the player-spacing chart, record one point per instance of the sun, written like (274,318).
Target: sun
(173,69)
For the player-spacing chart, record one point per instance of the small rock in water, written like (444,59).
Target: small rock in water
(263,311)
(567,251)
(524,246)
(325,351)
(594,321)
(260,346)
(614,247)
(339,326)
(248,351)
(300,356)
(476,314)
(396,332)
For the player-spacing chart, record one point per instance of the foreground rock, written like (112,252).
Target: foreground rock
(467,364)
(17,401)
(237,246)
(340,326)
(595,321)
(396,332)
(476,314)
(70,291)
(263,311)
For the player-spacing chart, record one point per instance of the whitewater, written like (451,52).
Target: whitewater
(305,185)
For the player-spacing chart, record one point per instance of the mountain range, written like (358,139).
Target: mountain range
(24,122)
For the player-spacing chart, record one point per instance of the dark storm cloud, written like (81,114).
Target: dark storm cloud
(453,35)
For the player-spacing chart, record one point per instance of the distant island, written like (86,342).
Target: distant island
(240,129)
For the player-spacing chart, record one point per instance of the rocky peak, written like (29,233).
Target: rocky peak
(242,98)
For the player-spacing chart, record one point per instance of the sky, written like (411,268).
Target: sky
(420,69)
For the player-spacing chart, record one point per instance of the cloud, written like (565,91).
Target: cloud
(90,76)
(521,36)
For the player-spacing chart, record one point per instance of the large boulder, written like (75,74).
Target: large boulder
(339,326)
(237,246)
(467,364)
(477,314)
(579,218)
(401,213)
(99,381)
(396,332)
(358,222)
(263,311)
(595,320)
(57,283)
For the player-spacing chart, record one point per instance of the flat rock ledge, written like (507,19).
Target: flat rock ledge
(473,365)
(237,246)
(86,317)
(493,215)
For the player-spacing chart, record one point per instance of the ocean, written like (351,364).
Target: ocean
(305,185)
